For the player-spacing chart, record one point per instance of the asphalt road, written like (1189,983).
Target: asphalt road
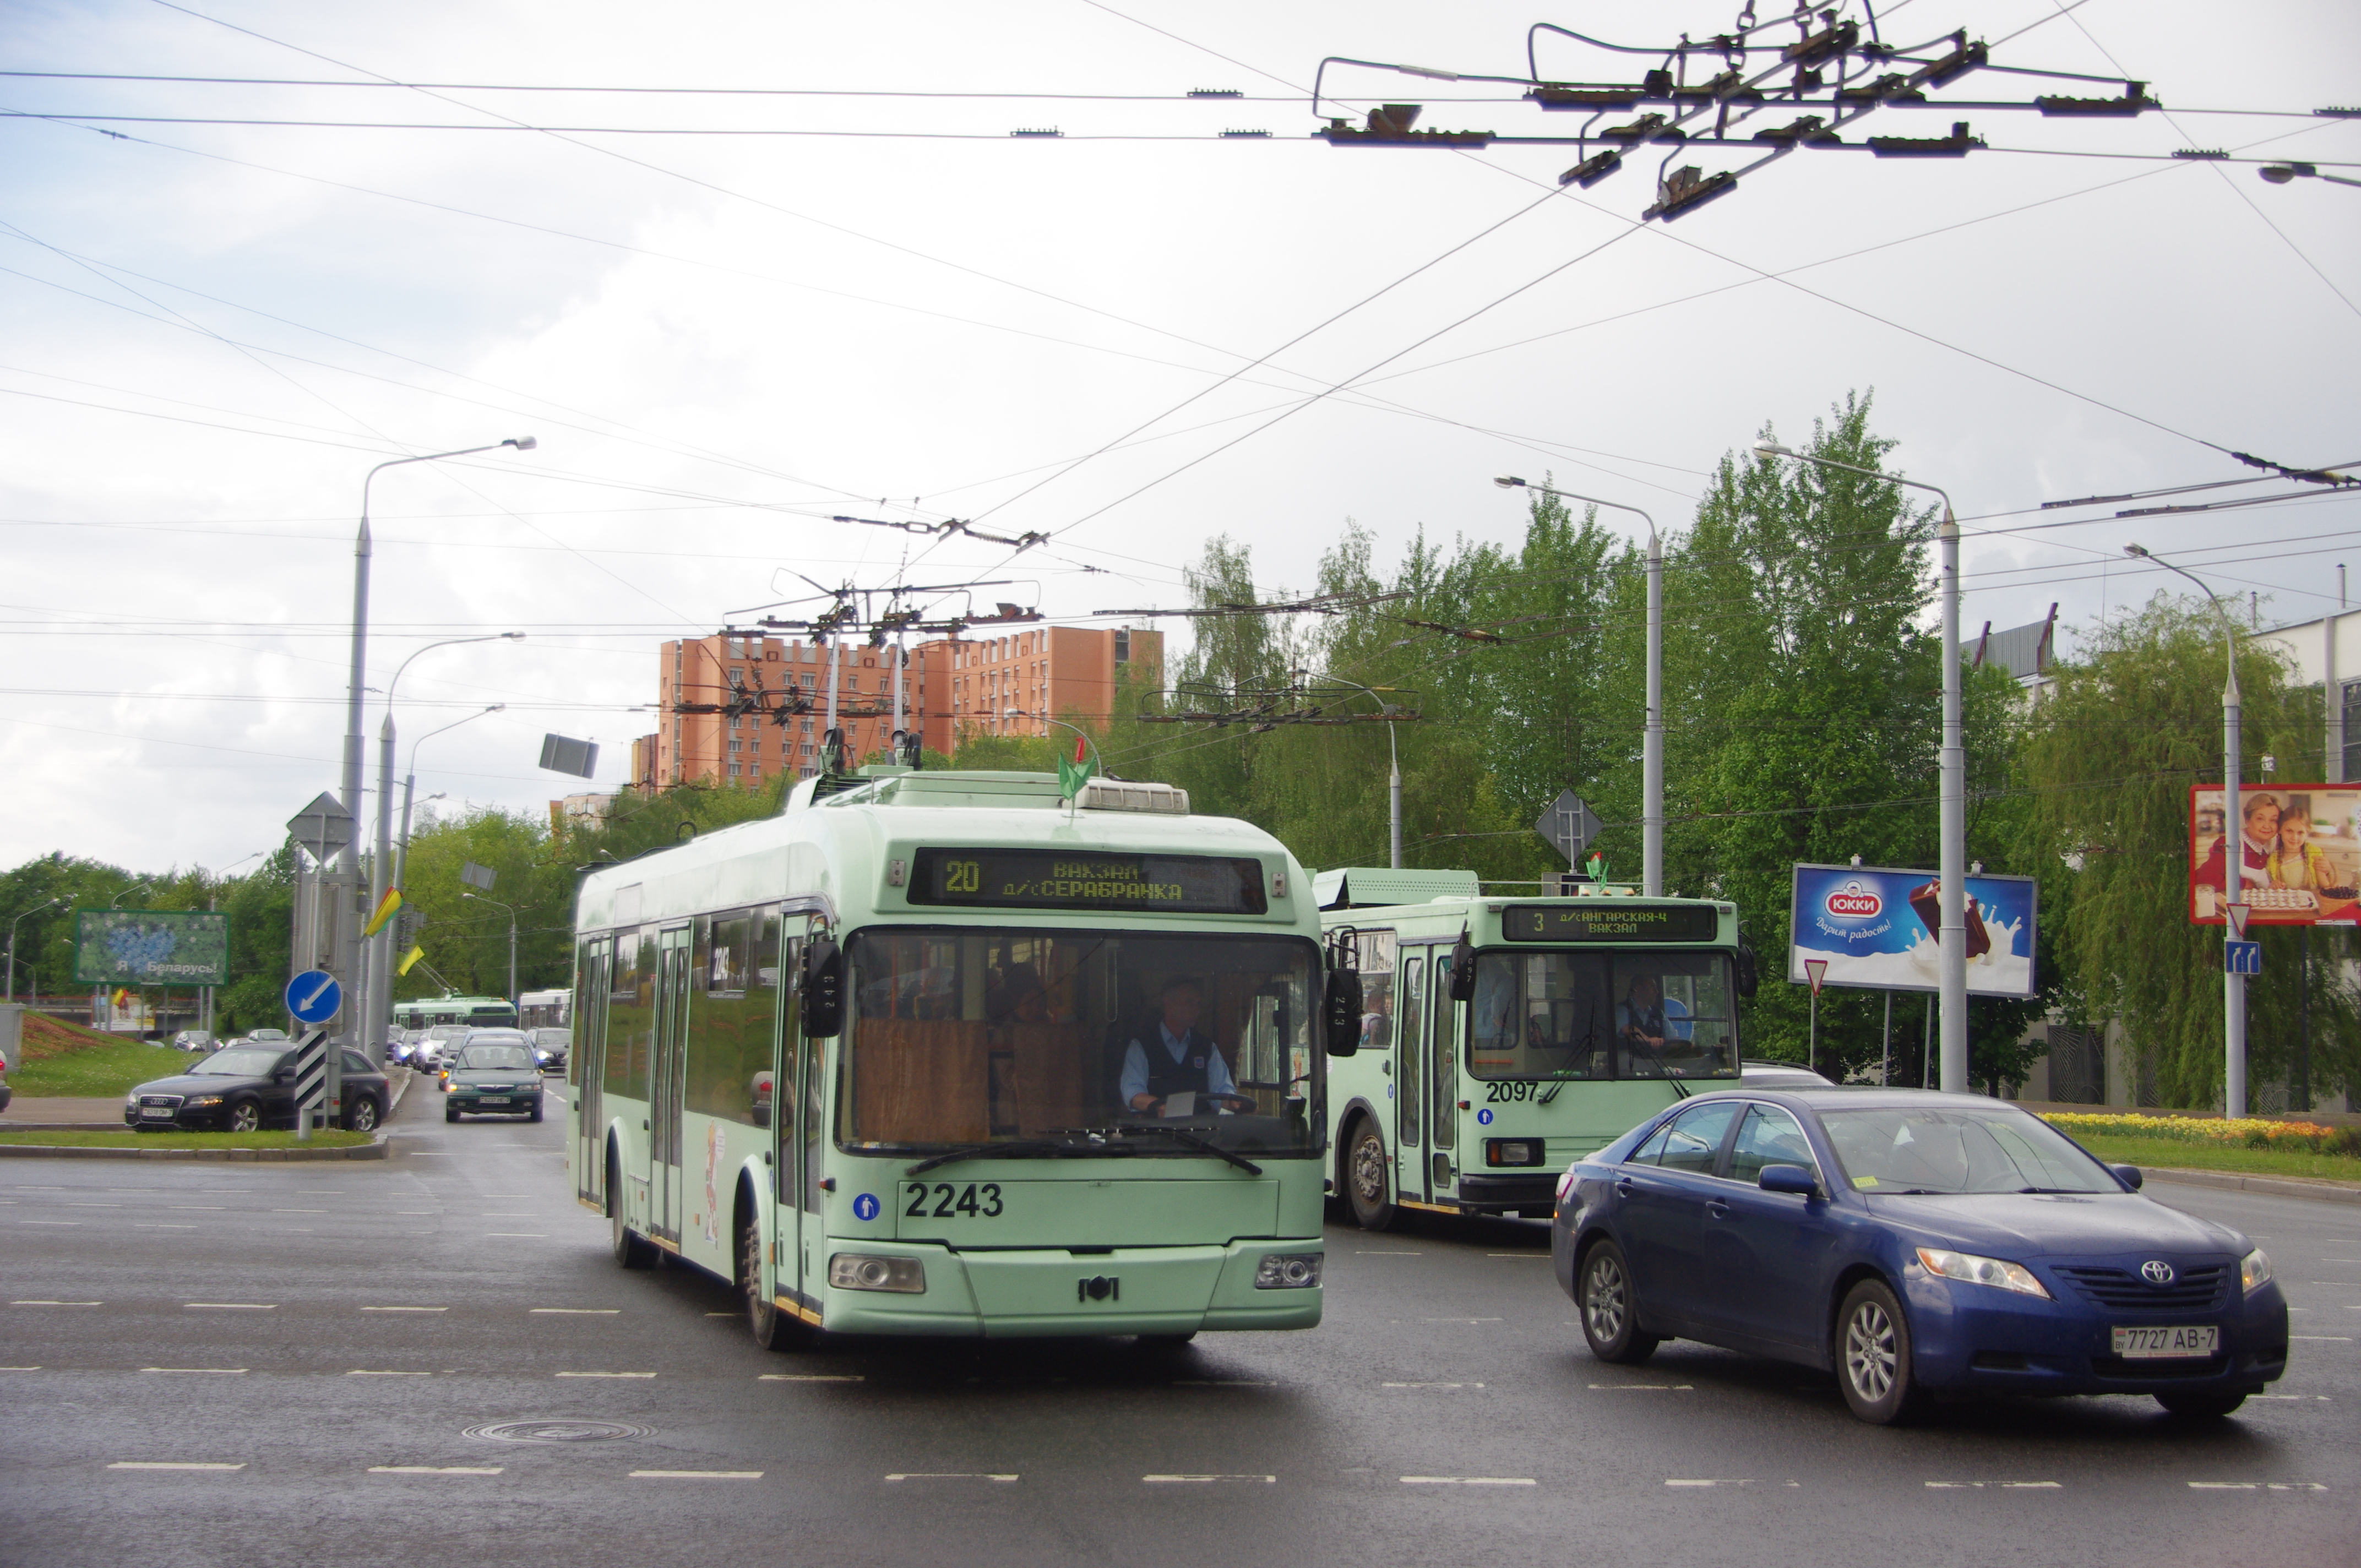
(325,1341)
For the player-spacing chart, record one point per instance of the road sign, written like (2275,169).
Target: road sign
(2238,914)
(314,996)
(311,1072)
(322,827)
(1571,825)
(563,754)
(2242,958)
(1816,968)
(476,876)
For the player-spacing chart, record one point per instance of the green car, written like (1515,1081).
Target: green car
(500,1080)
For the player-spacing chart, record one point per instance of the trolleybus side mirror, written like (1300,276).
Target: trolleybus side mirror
(1463,969)
(1749,975)
(823,1002)
(1341,1012)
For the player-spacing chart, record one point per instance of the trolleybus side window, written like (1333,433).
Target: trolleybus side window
(1442,1123)
(1374,957)
(1589,1015)
(631,1014)
(1026,1034)
(734,1010)
(1411,1033)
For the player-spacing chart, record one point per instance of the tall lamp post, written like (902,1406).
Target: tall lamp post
(349,930)
(2234,857)
(378,959)
(1394,773)
(1652,744)
(1952,857)
(212,897)
(26,915)
(511,912)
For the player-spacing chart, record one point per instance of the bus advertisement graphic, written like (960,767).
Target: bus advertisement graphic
(151,947)
(1877,929)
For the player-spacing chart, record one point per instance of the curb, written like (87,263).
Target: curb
(2322,1192)
(376,1148)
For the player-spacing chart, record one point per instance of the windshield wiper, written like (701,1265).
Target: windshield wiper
(1206,1145)
(1016,1148)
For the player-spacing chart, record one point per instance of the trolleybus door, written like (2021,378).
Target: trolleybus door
(787,1116)
(586,1066)
(1409,1087)
(665,1087)
(808,1260)
(1442,1081)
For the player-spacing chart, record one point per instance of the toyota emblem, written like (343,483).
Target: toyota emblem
(2155,1271)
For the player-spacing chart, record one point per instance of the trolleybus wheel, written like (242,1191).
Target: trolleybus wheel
(1364,1177)
(774,1330)
(630,1251)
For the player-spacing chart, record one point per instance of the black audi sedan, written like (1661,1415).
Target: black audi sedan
(1915,1245)
(242,1088)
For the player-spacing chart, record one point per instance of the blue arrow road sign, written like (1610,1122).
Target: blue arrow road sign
(314,996)
(2243,958)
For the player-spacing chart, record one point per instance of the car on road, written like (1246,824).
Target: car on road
(551,1048)
(240,1088)
(494,1076)
(496,1034)
(1916,1243)
(194,1040)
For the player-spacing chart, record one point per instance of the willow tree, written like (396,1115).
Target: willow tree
(2108,761)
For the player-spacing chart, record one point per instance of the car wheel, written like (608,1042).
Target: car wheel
(774,1330)
(246,1117)
(1610,1311)
(362,1118)
(533,1115)
(1364,1177)
(2192,1406)
(1873,1363)
(450,1112)
(631,1251)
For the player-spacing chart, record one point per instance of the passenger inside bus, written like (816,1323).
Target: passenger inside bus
(1175,1059)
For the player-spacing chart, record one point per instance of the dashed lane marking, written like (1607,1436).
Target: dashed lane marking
(214,1371)
(20,1369)
(606,1375)
(361,1372)
(2257,1486)
(231,1306)
(947,1475)
(517,1235)
(1197,1480)
(697,1474)
(434,1469)
(2331,1339)
(1430,1384)
(406,1308)
(2033,1486)
(57,1303)
(49,1221)
(1690,1483)
(574,1312)
(807,1376)
(1469,1481)
(168,1464)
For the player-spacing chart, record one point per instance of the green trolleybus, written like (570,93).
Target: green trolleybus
(944,1053)
(482,1012)
(1504,1038)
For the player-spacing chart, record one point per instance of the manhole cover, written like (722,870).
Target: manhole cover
(557,1432)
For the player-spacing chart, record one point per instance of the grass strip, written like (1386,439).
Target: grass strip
(105,1068)
(2173,1152)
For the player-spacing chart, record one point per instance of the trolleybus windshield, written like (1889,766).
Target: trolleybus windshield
(1044,1039)
(1587,1015)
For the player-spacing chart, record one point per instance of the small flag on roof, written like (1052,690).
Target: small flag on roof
(1074,773)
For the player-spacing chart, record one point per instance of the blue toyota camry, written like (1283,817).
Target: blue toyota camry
(1916,1243)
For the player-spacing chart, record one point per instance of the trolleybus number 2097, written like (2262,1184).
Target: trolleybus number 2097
(978,1202)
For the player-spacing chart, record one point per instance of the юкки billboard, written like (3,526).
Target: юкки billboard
(1878,929)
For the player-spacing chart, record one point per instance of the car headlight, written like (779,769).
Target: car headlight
(2255,1270)
(1288,1271)
(131,1099)
(864,1271)
(1974,1270)
(196,1100)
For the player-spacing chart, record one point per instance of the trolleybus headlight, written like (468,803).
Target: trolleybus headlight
(1288,1271)
(865,1271)
(1513,1151)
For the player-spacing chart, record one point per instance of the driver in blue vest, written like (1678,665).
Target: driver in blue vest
(1175,1058)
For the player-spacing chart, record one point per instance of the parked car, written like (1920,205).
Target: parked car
(194,1040)
(239,1089)
(550,1046)
(494,1075)
(1915,1243)
(5,1090)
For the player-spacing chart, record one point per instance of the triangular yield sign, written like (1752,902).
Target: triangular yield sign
(1816,968)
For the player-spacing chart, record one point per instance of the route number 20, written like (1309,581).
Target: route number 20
(976,1203)
(962,876)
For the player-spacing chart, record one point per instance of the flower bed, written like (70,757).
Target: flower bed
(2244,1131)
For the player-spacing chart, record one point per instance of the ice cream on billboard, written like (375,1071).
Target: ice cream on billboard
(1927,902)
(1854,918)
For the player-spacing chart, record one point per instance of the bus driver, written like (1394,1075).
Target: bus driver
(1178,1059)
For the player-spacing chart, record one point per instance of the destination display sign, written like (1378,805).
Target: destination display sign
(1059,879)
(1609,920)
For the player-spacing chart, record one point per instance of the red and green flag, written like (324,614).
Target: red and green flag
(1074,773)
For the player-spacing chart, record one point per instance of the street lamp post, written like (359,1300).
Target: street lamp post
(2280,173)
(2234,857)
(511,912)
(378,959)
(348,945)
(1952,856)
(36,909)
(1652,743)
(1393,770)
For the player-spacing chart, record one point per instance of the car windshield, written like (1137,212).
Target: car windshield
(495,1058)
(237,1063)
(976,1037)
(1577,1014)
(1911,1149)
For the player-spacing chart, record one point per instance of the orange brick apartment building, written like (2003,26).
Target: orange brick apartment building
(949,686)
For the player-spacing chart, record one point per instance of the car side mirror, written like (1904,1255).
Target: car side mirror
(823,1000)
(1789,1178)
(2131,1175)
(282,1075)
(1341,1012)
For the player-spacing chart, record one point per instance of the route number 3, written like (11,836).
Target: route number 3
(962,876)
(976,1203)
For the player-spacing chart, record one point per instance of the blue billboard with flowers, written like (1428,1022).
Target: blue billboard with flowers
(1880,929)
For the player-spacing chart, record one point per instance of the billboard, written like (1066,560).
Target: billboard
(2301,853)
(1877,927)
(151,947)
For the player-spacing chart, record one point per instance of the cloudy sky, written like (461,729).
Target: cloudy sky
(818,274)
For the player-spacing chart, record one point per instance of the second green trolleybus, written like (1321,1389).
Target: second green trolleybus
(945,1053)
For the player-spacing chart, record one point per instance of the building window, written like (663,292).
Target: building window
(1123,646)
(733,770)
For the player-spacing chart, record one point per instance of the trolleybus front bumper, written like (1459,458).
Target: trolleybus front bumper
(1044,1291)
